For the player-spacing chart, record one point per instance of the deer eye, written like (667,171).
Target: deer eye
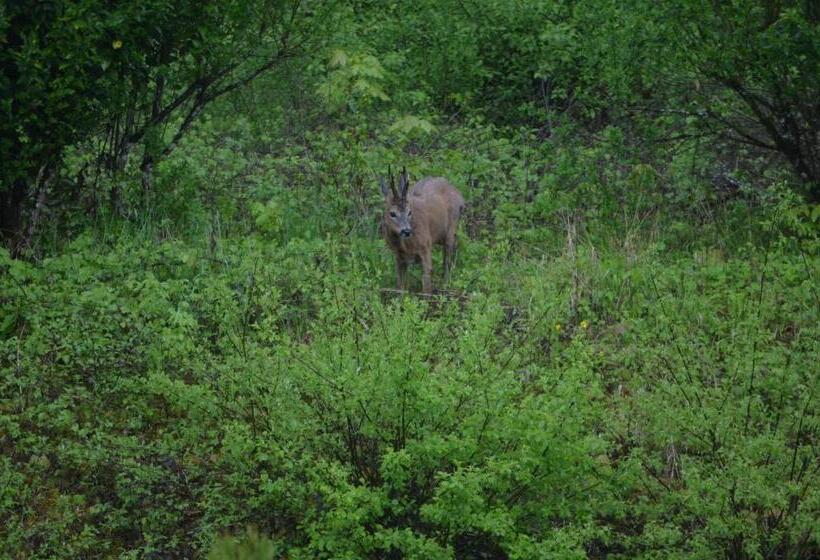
(393,214)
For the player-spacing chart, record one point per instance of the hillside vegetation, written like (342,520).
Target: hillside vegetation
(201,351)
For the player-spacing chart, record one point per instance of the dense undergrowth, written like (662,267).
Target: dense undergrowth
(585,387)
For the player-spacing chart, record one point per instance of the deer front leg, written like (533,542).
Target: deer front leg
(427,270)
(401,271)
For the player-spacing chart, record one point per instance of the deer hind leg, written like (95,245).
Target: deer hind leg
(449,254)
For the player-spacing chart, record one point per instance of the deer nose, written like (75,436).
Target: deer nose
(405,232)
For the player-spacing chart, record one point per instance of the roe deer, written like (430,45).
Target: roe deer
(414,221)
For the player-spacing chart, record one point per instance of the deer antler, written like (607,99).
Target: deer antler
(403,182)
(392,184)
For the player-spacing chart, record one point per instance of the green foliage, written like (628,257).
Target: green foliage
(250,547)
(755,69)
(149,387)
(353,82)
(114,76)
(199,359)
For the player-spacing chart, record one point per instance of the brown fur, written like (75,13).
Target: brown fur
(435,207)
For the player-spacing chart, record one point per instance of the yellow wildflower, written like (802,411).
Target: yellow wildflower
(558,327)
(584,324)
(117,44)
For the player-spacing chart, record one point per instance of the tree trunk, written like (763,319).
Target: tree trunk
(808,171)
(147,168)
(12,201)
(36,214)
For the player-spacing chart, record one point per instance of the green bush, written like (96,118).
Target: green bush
(154,398)
(202,358)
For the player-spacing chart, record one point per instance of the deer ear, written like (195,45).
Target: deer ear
(383,186)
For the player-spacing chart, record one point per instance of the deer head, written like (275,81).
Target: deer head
(397,214)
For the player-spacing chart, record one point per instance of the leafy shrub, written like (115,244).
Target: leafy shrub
(156,398)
